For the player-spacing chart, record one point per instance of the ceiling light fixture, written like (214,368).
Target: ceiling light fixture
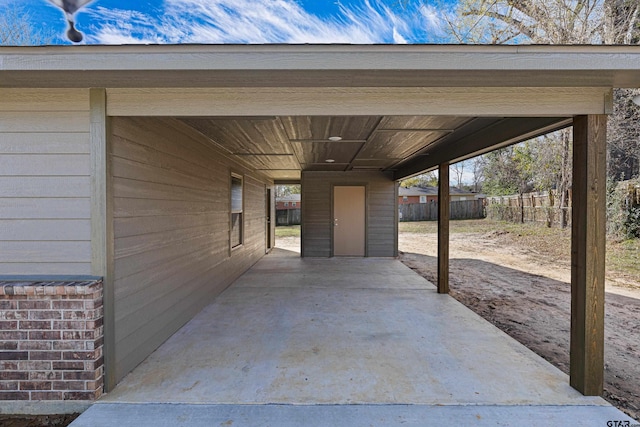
(330,161)
(335,138)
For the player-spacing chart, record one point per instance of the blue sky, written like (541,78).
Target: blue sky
(245,21)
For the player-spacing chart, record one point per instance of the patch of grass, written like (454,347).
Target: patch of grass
(624,257)
(459,226)
(288,231)
(418,227)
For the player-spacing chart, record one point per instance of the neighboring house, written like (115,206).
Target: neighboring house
(137,182)
(291,201)
(288,210)
(413,195)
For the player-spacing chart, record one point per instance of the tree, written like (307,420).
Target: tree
(287,190)
(477,168)
(429,179)
(458,173)
(623,137)
(561,22)
(545,21)
(621,22)
(15,29)
(508,171)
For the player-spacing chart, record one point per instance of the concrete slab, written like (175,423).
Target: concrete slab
(167,415)
(353,335)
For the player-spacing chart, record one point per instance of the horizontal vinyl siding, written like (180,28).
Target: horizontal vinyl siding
(317,216)
(45,186)
(171,229)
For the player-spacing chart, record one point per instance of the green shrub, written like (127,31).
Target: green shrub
(623,209)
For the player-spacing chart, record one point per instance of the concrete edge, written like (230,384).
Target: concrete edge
(173,415)
(42,407)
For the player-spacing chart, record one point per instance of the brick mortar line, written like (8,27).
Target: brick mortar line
(58,288)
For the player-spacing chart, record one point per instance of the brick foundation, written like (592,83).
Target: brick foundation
(51,338)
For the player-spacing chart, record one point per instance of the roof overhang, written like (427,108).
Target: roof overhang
(468,99)
(320,66)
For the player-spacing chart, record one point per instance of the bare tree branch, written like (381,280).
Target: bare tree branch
(15,29)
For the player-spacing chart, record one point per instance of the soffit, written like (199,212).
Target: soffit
(283,146)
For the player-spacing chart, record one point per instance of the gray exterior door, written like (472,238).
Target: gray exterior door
(349,220)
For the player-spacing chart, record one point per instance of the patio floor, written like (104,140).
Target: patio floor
(342,341)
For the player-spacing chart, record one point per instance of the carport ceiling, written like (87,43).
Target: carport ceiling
(282,147)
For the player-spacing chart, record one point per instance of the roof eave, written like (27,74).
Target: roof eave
(353,65)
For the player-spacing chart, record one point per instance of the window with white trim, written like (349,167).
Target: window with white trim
(236,234)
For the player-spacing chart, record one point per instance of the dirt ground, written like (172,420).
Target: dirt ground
(37,420)
(527,295)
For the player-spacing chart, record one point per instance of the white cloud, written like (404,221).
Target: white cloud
(434,19)
(259,21)
(397,37)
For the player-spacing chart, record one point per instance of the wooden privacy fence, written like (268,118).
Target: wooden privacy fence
(539,207)
(288,217)
(632,198)
(465,209)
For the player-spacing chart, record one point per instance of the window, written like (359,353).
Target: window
(423,199)
(405,198)
(237,218)
(286,204)
(293,204)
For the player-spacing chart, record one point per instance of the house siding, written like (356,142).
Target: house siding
(45,182)
(381,202)
(171,191)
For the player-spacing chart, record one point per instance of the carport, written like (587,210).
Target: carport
(328,117)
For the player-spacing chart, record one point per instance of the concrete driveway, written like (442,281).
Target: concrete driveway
(342,341)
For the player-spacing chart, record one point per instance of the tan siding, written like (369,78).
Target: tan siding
(46,251)
(366,100)
(44,164)
(45,186)
(43,268)
(69,100)
(45,121)
(316,209)
(382,221)
(44,182)
(171,226)
(44,208)
(43,143)
(44,229)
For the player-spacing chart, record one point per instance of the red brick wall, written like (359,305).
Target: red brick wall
(51,338)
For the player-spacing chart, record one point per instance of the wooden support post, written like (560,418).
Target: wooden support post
(102,245)
(444,208)
(588,230)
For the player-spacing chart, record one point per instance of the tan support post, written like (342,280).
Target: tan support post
(443,228)
(102,249)
(588,230)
